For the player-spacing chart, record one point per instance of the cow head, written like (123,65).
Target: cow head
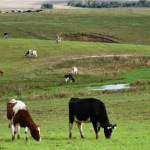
(108,130)
(35,132)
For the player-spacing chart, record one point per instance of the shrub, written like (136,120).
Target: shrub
(47,6)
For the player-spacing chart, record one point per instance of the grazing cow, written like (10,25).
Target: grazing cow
(19,116)
(74,70)
(89,110)
(69,77)
(58,40)
(1,72)
(31,52)
(6,35)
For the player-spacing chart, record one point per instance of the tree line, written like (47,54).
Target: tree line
(112,4)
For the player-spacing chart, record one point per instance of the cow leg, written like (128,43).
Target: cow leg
(95,129)
(71,120)
(18,131)
(66,79)
(25,130)
(70,129)
(80,129)
(13,132)
(9,125)
(98,129)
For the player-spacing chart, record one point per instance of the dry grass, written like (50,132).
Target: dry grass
(91,71)
(105,66)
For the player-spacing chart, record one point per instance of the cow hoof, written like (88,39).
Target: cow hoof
(18,137)
(13,138)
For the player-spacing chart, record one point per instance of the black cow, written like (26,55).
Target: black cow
(89,110)
(69,77)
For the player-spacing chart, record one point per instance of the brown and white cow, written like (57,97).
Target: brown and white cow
(19,116)
(1,72)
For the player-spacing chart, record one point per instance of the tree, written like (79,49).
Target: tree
(143,1)
(90,3)
(79,4)
(71,3)
(47,6)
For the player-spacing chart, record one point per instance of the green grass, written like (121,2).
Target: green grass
(26,77)
(29,76)
(121,25)
(39,82)
(130,111)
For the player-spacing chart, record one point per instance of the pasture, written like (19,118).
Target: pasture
(108,25)
(40,84)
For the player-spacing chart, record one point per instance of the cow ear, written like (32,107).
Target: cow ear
(114,126)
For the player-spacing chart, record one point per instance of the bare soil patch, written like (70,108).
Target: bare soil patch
(90,37)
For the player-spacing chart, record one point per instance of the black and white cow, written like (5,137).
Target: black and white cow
(6,35)
(58,39)
(69,77)
(31,52)
(89,110)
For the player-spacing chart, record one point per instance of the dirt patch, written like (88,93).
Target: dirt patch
(105,55)
(90,37)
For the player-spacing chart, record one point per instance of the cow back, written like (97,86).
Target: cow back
(10,112)
(88,107)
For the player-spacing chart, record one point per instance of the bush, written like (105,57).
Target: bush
(47,6)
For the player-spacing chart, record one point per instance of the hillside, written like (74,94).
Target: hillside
(103,25)
(98,63)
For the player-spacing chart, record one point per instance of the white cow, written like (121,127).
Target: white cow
(74,70)
(58,39)
(31,52)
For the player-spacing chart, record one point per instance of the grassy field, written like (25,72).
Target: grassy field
(118,25)
(39,82)
(129,110)
(26,77)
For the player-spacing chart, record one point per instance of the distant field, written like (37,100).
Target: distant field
(106,25)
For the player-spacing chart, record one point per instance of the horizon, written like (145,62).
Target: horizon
(36,4)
